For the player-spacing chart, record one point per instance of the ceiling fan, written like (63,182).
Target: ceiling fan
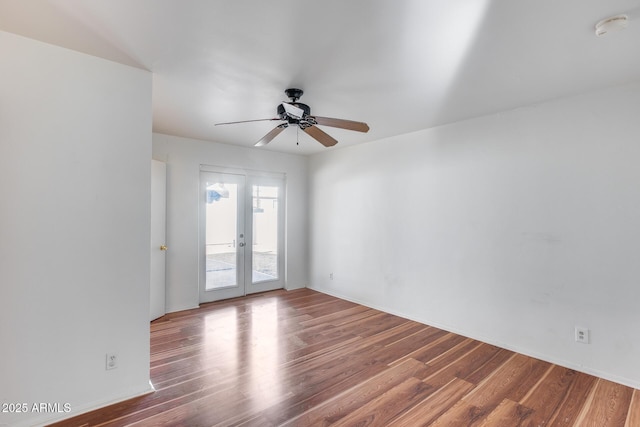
(297,113)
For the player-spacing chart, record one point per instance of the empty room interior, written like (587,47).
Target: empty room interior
(461,171)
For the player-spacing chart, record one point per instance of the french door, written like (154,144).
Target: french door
(242,234)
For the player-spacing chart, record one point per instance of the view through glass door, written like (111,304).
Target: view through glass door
(222,229)
(242,230)
(265,265)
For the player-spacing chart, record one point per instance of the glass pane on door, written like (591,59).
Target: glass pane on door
(265,233)
(221,232)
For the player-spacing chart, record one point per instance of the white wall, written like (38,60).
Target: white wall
(75,143)
(511,228)
(184,157)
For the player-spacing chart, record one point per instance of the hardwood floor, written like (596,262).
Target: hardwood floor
(302,358)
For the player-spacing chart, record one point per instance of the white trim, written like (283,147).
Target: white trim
(242,171)
(83,409)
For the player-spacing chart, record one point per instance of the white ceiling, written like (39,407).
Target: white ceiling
(400,65)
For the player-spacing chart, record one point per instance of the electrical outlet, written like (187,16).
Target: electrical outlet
(330,276)
(112,361)
(582,335)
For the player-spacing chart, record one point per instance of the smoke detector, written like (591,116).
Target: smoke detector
(615,23)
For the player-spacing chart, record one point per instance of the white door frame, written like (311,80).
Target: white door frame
(157,278)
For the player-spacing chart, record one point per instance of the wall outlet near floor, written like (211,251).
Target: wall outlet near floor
(330,276)
(112,361)
(582,335)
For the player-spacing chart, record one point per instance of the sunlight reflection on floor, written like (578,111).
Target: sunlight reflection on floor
(248,351)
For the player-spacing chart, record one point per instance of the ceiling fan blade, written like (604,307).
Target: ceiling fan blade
(247,121)
(269,137)
(319,135)
(343,124)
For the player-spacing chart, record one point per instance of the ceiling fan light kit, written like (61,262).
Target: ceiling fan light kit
(297,113)
(294,111)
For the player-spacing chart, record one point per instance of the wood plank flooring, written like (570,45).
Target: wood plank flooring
(302,358)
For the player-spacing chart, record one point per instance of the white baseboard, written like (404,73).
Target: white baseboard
(83,409)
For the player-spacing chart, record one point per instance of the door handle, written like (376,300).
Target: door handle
(163,248)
